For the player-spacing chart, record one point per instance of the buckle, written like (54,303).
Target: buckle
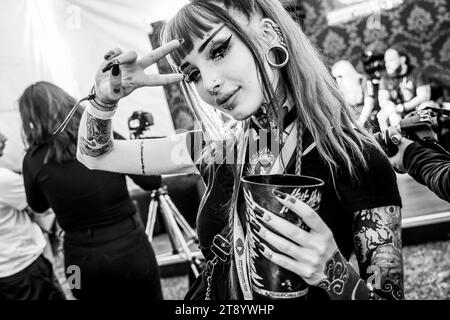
(221,247)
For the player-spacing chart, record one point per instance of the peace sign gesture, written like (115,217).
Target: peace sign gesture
(122,73)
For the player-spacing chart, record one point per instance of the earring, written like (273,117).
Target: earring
(281,49)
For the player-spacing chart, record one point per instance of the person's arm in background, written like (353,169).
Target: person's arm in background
(34,196)
(387,107)
(427,166)
(423,94)
(384,97)
(369,103)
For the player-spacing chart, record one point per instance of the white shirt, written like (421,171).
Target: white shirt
(21,240)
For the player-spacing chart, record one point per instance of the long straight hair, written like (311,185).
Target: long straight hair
(43,106)
(320,107)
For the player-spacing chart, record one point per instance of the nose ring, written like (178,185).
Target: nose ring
(215,89)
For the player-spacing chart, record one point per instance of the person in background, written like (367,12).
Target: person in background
(103,238)
(402,89)
(25,274)
(356,89)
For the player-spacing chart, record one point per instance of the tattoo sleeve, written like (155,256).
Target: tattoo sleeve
(377,236)
(378,246)
(98,140)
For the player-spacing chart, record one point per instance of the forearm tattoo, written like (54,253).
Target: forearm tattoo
(342,282)
(98,139)
(377,236)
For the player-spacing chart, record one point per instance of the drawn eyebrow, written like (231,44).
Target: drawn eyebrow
(183,66)
(203,46)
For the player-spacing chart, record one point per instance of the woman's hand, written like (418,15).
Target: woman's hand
(122,73)
(306,253)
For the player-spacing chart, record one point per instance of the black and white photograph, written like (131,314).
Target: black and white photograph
(232,157)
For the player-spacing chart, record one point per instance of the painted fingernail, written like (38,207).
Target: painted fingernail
(259,246)
(258,212)
(108,55)
(181,40)
(266,252)
(255,227)
(108,66)
(115,70)
(279,194)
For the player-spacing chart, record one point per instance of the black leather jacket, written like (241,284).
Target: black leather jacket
(429,167)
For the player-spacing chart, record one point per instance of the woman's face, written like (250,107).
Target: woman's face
(224,73)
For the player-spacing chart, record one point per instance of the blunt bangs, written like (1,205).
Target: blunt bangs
(190,23)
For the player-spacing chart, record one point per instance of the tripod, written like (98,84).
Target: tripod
(175,223)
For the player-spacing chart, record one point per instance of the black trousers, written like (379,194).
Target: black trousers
(35,282)
(114,262)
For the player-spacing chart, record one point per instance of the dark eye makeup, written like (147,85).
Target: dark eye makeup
(216,52)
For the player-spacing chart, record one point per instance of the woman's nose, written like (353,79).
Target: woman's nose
(214,89)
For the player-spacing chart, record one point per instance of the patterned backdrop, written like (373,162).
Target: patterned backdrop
(419,27)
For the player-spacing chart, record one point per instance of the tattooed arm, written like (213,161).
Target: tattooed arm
(377,237)
(378,246)
(97,139)
(97,150)
(315,257)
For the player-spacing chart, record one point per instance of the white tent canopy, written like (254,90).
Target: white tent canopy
(63,42)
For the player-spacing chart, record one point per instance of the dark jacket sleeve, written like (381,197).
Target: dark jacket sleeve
(35,198)
(429,167)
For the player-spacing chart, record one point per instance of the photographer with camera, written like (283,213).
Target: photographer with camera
(402,89)
(423,160)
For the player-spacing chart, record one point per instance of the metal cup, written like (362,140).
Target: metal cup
(268,280)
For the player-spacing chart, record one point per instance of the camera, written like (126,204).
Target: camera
(139,122)
(429,126)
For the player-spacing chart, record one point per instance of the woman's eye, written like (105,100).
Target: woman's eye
(219,51)
(193,76)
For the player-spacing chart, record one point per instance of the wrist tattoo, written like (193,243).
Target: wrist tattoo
(343,282)
(340,279)
(98,139)
(98,130)
(89,149)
